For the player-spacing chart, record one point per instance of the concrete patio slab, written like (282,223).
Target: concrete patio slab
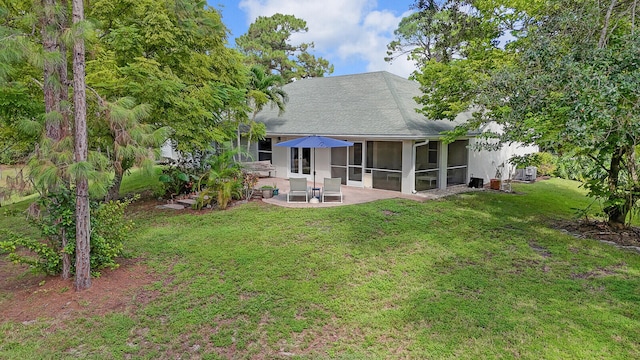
(352,195)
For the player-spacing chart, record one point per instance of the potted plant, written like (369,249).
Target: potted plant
(267,191)
(275,189)
(496,182)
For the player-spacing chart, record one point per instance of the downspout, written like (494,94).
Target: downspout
(413,162)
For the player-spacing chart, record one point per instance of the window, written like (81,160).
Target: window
(265,151)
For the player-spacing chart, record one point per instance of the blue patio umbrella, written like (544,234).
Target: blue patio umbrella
(313,142)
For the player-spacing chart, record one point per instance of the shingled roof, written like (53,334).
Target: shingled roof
(371,105)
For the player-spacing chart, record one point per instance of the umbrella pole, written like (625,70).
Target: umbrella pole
(314,168)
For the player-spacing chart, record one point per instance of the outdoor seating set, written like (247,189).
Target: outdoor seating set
(299,188)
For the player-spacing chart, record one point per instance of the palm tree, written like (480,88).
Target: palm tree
(263,88)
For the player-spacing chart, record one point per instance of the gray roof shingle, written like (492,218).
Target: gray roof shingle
(375,105)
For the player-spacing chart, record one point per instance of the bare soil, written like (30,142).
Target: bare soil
(25,297)
(599,230)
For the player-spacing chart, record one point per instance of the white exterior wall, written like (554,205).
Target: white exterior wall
(483,163)
(443,159)
(166,151)
(323,165)
(280,158)
(408,173)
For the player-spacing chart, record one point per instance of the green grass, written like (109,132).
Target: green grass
(138,180)
(479,275)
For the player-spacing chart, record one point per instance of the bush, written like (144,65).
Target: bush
(571,168)
(109,231)
(545,162)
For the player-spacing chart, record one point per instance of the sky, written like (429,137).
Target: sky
(351,34)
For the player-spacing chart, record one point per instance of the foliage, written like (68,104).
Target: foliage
(267,43)
(441,31)
(55,217)
(176,181)
(127,140)
(224,180)
(568,83)
(571,168)
(20,122)
(250,179)
(544,161)
(47,259)
(263,89)
(172,56)
(110,231)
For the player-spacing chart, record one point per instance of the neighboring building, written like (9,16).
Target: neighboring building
(395,147)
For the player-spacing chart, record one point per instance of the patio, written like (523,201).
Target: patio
(353,195)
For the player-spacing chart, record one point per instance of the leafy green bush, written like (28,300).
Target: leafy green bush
(175,181)
(47,259)
(570,168)
(224,180)
(109,228)
(544,161)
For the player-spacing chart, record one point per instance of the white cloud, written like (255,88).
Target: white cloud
(344,32)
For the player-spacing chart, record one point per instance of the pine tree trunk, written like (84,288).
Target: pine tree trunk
(48,29)
(55,90)
(114,191)
(83,224)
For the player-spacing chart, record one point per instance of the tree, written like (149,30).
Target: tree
(263,89)
(83,217)
(267,43)
(24,49)
(170,55)
(127,140)
(568,82)
(441,31)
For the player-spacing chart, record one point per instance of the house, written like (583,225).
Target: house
(395,147)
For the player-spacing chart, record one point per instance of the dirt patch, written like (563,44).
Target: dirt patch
(27,297)
(628,238)
(598,273)
(539,249)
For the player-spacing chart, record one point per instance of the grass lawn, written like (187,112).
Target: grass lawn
(478,275)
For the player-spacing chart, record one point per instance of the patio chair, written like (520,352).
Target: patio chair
(298,187)
(332,188)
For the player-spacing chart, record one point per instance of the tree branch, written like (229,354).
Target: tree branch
(597,161)
(605,28)
(633,16)
(101,101)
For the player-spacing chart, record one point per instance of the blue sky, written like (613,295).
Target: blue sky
(351,34)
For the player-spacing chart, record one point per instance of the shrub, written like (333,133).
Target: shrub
(544,161)
(109,231)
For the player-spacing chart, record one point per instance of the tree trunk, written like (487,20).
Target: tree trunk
(616,214)
(48,29)
(55,91)
(83,223)
(114,191)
